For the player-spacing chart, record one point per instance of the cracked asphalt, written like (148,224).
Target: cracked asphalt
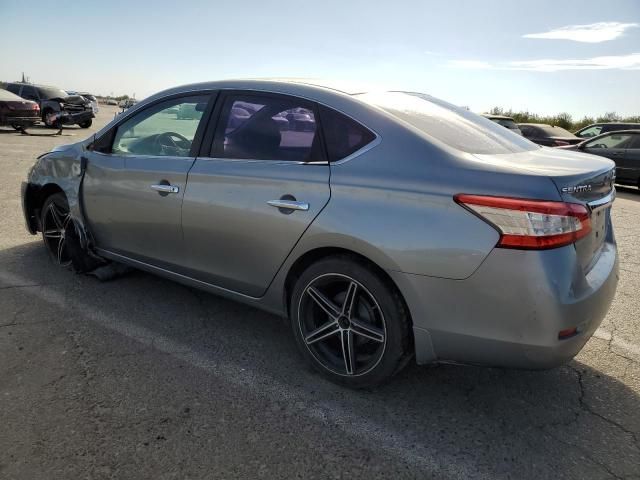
(140,377)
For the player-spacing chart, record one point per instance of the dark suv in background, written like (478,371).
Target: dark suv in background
(57,107)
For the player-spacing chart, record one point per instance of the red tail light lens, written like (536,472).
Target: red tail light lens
(530,224)
(560,143)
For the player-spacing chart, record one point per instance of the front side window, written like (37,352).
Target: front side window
(165,129)
(591,131)
(615,140)
(256,127)
(343,136)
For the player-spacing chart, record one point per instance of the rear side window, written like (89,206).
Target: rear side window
(29,93)
(635,142)
(13,88)
(256,127)
(451,125)
(343,136)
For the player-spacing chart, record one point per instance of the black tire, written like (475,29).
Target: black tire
(45,113)
(58,227)
(86,124)
(377,329)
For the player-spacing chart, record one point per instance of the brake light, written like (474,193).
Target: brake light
(530,224)
(560,143)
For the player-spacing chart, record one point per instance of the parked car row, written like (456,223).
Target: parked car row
(618,141)
(56,107)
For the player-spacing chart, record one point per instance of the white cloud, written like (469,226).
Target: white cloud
(611,62)
(474,64)
(592,33)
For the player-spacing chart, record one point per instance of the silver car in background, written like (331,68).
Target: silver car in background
(386,226)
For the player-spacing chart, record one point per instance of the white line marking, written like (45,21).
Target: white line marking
(263,386)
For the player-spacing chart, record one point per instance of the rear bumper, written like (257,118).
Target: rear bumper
(22,121)
(510,311)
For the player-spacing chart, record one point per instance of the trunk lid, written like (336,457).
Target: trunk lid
(580,178)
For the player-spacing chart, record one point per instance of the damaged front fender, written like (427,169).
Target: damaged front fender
(60,170)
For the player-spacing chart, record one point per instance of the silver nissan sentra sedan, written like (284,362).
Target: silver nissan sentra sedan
(386,225)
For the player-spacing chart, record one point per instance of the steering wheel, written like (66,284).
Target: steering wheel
(167,140)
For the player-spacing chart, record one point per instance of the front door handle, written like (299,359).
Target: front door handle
(165,188)
(289,204)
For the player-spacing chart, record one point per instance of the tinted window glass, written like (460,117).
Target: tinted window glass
(454,126)
(29,93)
(343,136)
(14,88)
(52,92)
(267,128)
(614,140)
(635,142)
(165,129)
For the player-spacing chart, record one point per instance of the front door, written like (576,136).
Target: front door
(136,177)
(613,146)
(249,202)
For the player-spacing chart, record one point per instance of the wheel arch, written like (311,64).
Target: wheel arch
(317,254)
(34,198)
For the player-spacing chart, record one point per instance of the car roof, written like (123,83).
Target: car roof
(497,117)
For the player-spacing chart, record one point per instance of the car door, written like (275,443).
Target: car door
(630,166)
(611,145)
(135,181)
(249,200)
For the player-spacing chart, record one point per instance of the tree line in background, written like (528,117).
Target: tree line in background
(563,120)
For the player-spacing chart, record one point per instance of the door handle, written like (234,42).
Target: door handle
(165,188)
(289,204)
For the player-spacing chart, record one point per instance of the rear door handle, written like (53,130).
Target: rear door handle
(289,204)
(165,188)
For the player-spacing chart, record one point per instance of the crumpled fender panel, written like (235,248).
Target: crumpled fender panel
(62,167)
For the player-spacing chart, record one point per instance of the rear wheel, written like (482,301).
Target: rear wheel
(349,323)
(86,124)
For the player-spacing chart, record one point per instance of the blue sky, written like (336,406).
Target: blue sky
(481,54)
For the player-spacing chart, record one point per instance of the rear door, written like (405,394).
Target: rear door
(252,196)
(612,145)
(629,167)
(135,181)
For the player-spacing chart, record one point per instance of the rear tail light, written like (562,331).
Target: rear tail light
(530,224)
(560,143)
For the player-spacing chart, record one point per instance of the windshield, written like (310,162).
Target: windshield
(506,122)
(454,126)
(52,92)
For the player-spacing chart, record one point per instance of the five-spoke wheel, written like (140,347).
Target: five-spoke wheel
(56,226)
(349,322)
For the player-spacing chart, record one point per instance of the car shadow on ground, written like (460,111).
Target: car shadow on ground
(568,421)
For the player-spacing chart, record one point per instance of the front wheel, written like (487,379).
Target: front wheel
(349,322)
(85,124)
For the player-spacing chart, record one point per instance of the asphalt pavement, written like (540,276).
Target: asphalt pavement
(142,378)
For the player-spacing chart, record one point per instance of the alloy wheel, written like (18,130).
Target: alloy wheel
(342,324)
(56,222)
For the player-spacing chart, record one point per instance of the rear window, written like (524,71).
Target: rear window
(551,131)
(6,95)
(454,126)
